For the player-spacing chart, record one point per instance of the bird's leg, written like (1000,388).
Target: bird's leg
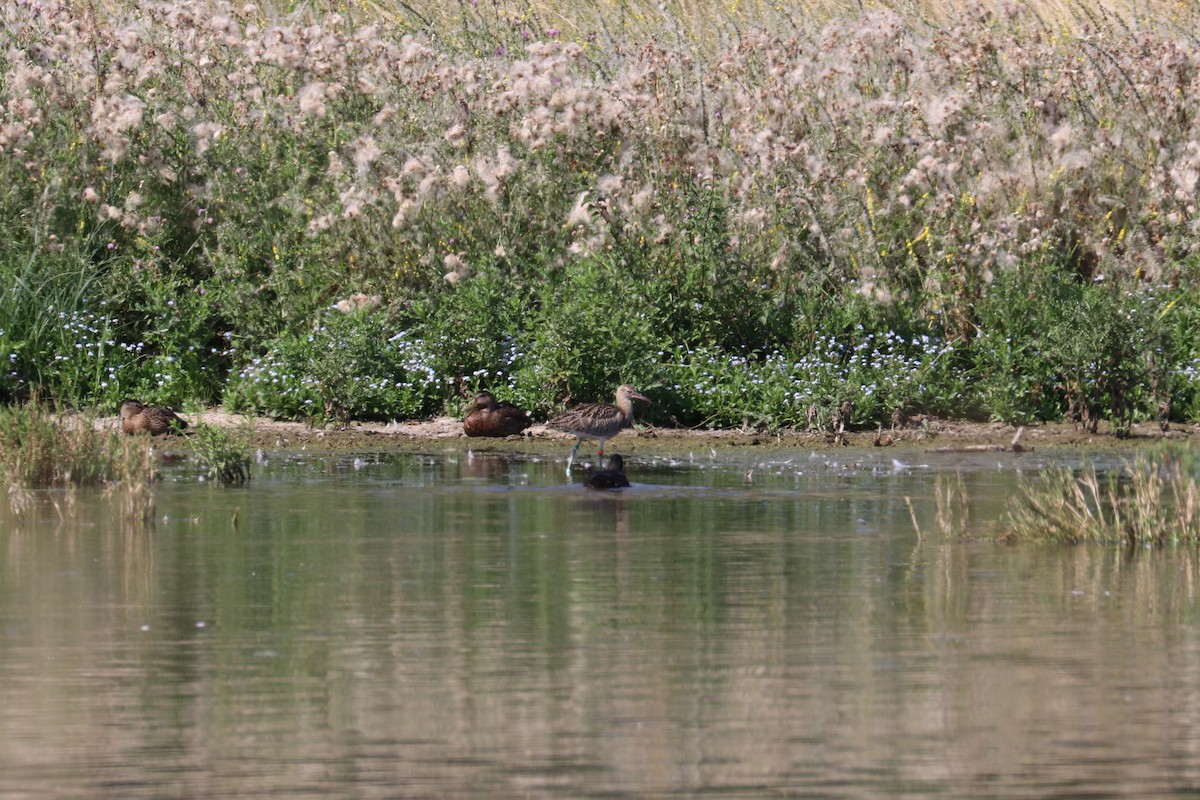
(571,458)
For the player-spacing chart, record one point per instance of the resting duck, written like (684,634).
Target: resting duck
(137,417)
(487,417)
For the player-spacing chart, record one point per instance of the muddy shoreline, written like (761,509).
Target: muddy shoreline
(446,433)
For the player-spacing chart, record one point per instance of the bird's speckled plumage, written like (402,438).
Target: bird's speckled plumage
(137,417)
(611,477)
(598,421)
(487,417)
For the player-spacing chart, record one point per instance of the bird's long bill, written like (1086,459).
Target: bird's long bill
(640,396)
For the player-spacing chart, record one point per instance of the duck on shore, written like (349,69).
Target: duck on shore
(137,417)
(488,417)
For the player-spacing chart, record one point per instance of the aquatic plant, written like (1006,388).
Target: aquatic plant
(1153,499)
(221,453)
(953,509)
(40,449)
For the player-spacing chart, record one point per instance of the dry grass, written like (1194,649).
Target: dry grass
(953,508)
(1153,499)
(40,449)
(705,27)
(895,148)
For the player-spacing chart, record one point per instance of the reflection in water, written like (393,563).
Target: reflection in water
(472,626)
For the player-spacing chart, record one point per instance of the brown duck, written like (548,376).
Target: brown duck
(137,417)
(611,477)
(487,417)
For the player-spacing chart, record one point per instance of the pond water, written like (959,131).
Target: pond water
(471,625)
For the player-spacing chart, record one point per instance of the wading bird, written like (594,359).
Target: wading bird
(598,421)
(611,477)
(137,417)
(486,417)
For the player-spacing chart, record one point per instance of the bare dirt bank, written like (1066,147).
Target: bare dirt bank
(447,432)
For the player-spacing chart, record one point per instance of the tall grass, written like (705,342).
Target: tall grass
(706,27)
(566,201)
(1153,499)
(40,449)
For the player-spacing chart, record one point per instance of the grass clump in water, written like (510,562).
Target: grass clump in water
(40,449)
(223,455)
(1153,499)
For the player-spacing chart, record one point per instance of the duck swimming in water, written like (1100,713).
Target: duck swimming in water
(611,477)
(487,417)
(137,417)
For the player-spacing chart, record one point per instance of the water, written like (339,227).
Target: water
(443,625)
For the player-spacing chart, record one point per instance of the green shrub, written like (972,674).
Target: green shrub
(877,374)
(473,330)
(1051,343)
(70,341)
(348,366)
(589,330)
(1017,379)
